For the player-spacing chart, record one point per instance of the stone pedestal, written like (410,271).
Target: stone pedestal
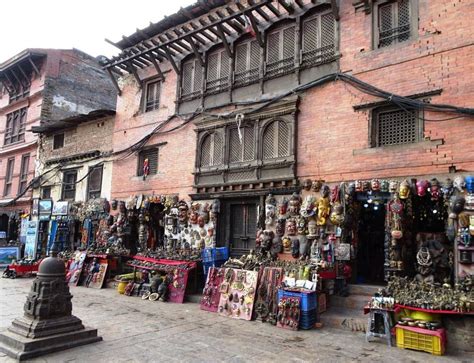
(48,324)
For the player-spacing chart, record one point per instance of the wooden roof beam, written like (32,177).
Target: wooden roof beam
(299,3)
(335,9)
(34,66)
(237,18)
(157,67)
(223,28)
(17,78)
(286,6)
(133,71)
(171,60)
(273,9)
(254,24)
(114,81)
(195,50)
(260,11)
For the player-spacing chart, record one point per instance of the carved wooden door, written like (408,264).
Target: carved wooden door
(242,227)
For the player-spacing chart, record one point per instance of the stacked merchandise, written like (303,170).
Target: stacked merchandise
(289,313)
(308,305)
(211,294)
(266,306)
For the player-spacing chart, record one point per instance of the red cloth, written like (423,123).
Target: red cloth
(398,307)
(441,333)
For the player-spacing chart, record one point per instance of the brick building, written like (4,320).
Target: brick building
(234,100)
(40,87)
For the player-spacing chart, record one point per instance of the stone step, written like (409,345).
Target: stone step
(356,302)
(345,319)
(362,289)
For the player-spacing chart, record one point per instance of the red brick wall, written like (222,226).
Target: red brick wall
(333,139)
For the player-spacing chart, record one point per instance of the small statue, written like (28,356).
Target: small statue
(291,227)
(282,207)
(316,185)
(324,209)
(307,184)
(404,191)
(294,204)
(163,289)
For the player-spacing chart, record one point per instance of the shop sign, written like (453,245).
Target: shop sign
(61,208)
(31,240)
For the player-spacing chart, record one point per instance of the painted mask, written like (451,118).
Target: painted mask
(280,227)
(301,225)
(435,189)
(183,212)
(291,227)
(325,191)
(458,204)
(269,213)
(375,185)
(294,204)
(312,228)
(393,186)
(307,184)
(308,208)
(324,208)
(122,208)
(271,200)
(358,185)
(205,212)
(421,187)
(447,187)
(459,183)
(335,194)
(350,190)
(404,189)
(267,240)
(200,221)
(316,185)
(259,238)
(470,183)
(337,216)
(295,248)
(286,242)
(384,186)
(282,206)
(365,185)
(193,217)
(114,204)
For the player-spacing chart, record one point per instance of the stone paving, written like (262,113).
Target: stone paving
(143,331)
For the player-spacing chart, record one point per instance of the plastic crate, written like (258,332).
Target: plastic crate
(215,254)
(207,265)
(427,342)
(309,299)
(308,319)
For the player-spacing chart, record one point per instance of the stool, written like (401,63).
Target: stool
(371,328)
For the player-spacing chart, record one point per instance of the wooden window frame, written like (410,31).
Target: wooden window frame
(24,170)
(413,8)
(141,158)
(44,189)
(92,194)
(375,126)
(276,140)
(148,106)
(283,65)
(250,75)
(69,187)
(221,83)
(212,152)
(196,90)
(15,126)
(9,176)
(58,143)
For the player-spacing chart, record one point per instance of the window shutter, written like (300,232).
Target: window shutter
(206,151)
(218,155)
(289,43)
(283,139)
(235,148)
(249,148)
(403,20)
(397,127)
(187,78)
(273,47)
(212,67)
(197,84)
(327,30)
(269,141)
(386,24)
(241,58)
(311,35)
(153,96)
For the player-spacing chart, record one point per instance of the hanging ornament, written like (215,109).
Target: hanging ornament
(146,168)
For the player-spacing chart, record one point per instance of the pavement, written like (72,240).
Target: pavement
(134,330)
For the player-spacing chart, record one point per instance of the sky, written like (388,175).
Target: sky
(84,24)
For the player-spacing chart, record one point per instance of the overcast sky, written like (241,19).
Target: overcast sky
(76,24)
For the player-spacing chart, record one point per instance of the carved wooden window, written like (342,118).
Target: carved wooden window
(241,147)
(94,183)
(58,141)
(247,63)
(396,126)
(15,126)
(25,164)
(319,39)
(276,140)
(191,79)
(152,156)
(152,96)
(393,22)
(212,150)
(281,45)
(9,177)
(69,185)
(218,71)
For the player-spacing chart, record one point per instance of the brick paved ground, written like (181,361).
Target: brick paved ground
(144,331)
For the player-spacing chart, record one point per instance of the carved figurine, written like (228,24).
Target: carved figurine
(183,211)
(312,229)
(301,225)
(280,227)
(337,216)
(294,204)
(291,227)
(404,191)
(324,209)
(282,207)
(375,185)
(316,185)
(142,232)
(307,184)
(269,214)
(308,208)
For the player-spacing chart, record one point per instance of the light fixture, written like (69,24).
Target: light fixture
(376,207)
(435,211)
(366,205)
(369,200)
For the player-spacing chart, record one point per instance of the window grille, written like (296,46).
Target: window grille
(25,163)
(152,96)
(218,70)
(69,185)
(9,177)
(241,151)
(94,185)
(280,52)
(394,127)
(46,192)
(247,63)
(15,126)
(212,150)
(276,140)
(393,23)
(319,40)
(191,80)
(152,156)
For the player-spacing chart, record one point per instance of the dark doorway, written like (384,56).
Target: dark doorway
(239,225)
(370,251)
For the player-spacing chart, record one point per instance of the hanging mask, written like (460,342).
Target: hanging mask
(280,227)
(447,187)
(316,186)
(393,186)
(291,227)
(294,204)
(282,207)
(301,225)
(404,189)
(308,208)
(365,186)
(384,186)
(271,200)
(307,184)
(435,189)
(312,228)
(335,194)
(457,204)
(375,185)
(469,181)
(421,187)
(269,213)
(295,248)
(325,191)
(459,183)
(358,185)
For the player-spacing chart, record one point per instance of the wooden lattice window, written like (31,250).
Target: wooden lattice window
(15,126)
(25,164)
(212,150)
(218,71)
(276,140)
(69,185)
(9,177)
(152,96)
(191,79)
(247,63)
(94,182)
(396,126)
(393,23)
(152,156)
(281,45)
(319,39)
(241,148)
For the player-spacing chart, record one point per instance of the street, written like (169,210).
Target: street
(134,330)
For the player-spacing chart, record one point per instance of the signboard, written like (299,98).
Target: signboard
(31,240)
(61,208)
(35,207)
(23,229)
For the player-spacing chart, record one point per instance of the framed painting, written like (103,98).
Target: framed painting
(8,254)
